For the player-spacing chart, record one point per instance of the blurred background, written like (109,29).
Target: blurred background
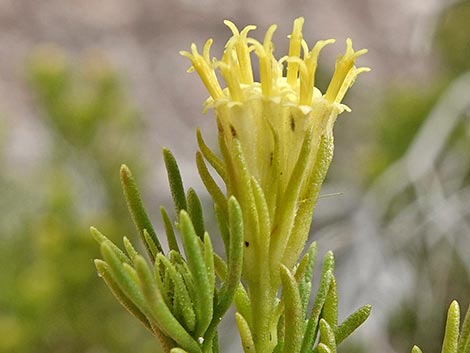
(88,85)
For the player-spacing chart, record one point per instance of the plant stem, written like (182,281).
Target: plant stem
(263,300)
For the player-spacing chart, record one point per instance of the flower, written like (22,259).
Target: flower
(272,119)
(276,141)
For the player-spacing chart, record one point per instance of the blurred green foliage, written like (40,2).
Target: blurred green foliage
(406,106)
(401,114)
(437,271)
(420,318)
(453,37)
(50,298)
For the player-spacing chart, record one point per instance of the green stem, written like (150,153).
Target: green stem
(263,299)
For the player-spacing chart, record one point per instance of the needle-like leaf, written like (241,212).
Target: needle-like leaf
(195,212)
(465,334)
(211,157)
(451,335)
(327,336)
(175,181)
(235,258)
(330,308)
(101,239)
(181,294)
(122,278)
(197,266)
(160,312)
(105,273)
(293,314)
(351,323)
(222,224)
(312,323)
(170,233)
(137,210)
(245,334)
(210,184)
(131,252)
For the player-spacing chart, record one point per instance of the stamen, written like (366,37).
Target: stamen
(307,82)
(349,81)
(204,69)
(230,71)
(232,27)
(243,54)
(265,64)
(294,50)
(206,50)
(343,65)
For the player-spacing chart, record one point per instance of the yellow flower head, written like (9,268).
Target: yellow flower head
(278,127)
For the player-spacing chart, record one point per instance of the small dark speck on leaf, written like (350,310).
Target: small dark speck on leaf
(233,131)
(292,123)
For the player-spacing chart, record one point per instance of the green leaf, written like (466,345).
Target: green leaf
(280,335)
(243,304)
(416,349)
(235,258)
(197,266)
(210,184)
(467,347)
(175,181)
(451,335)
(209,261)
(241,299)
(170,233)
(125,282)
(131,252)
(312,323)
(151,246)
(305,283)
(181,295)
(245,197)
(220,267)
(245,334)
(211,157)
(182,267)
(137,210)
(222,225)
(160,312)
(105,273)
(177,350)
(465,334)
(294,316)
(195,212)
(327,336)
(233,270)
(163,281)
(101,239)
(323,348)
(351,323)
(330,308)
